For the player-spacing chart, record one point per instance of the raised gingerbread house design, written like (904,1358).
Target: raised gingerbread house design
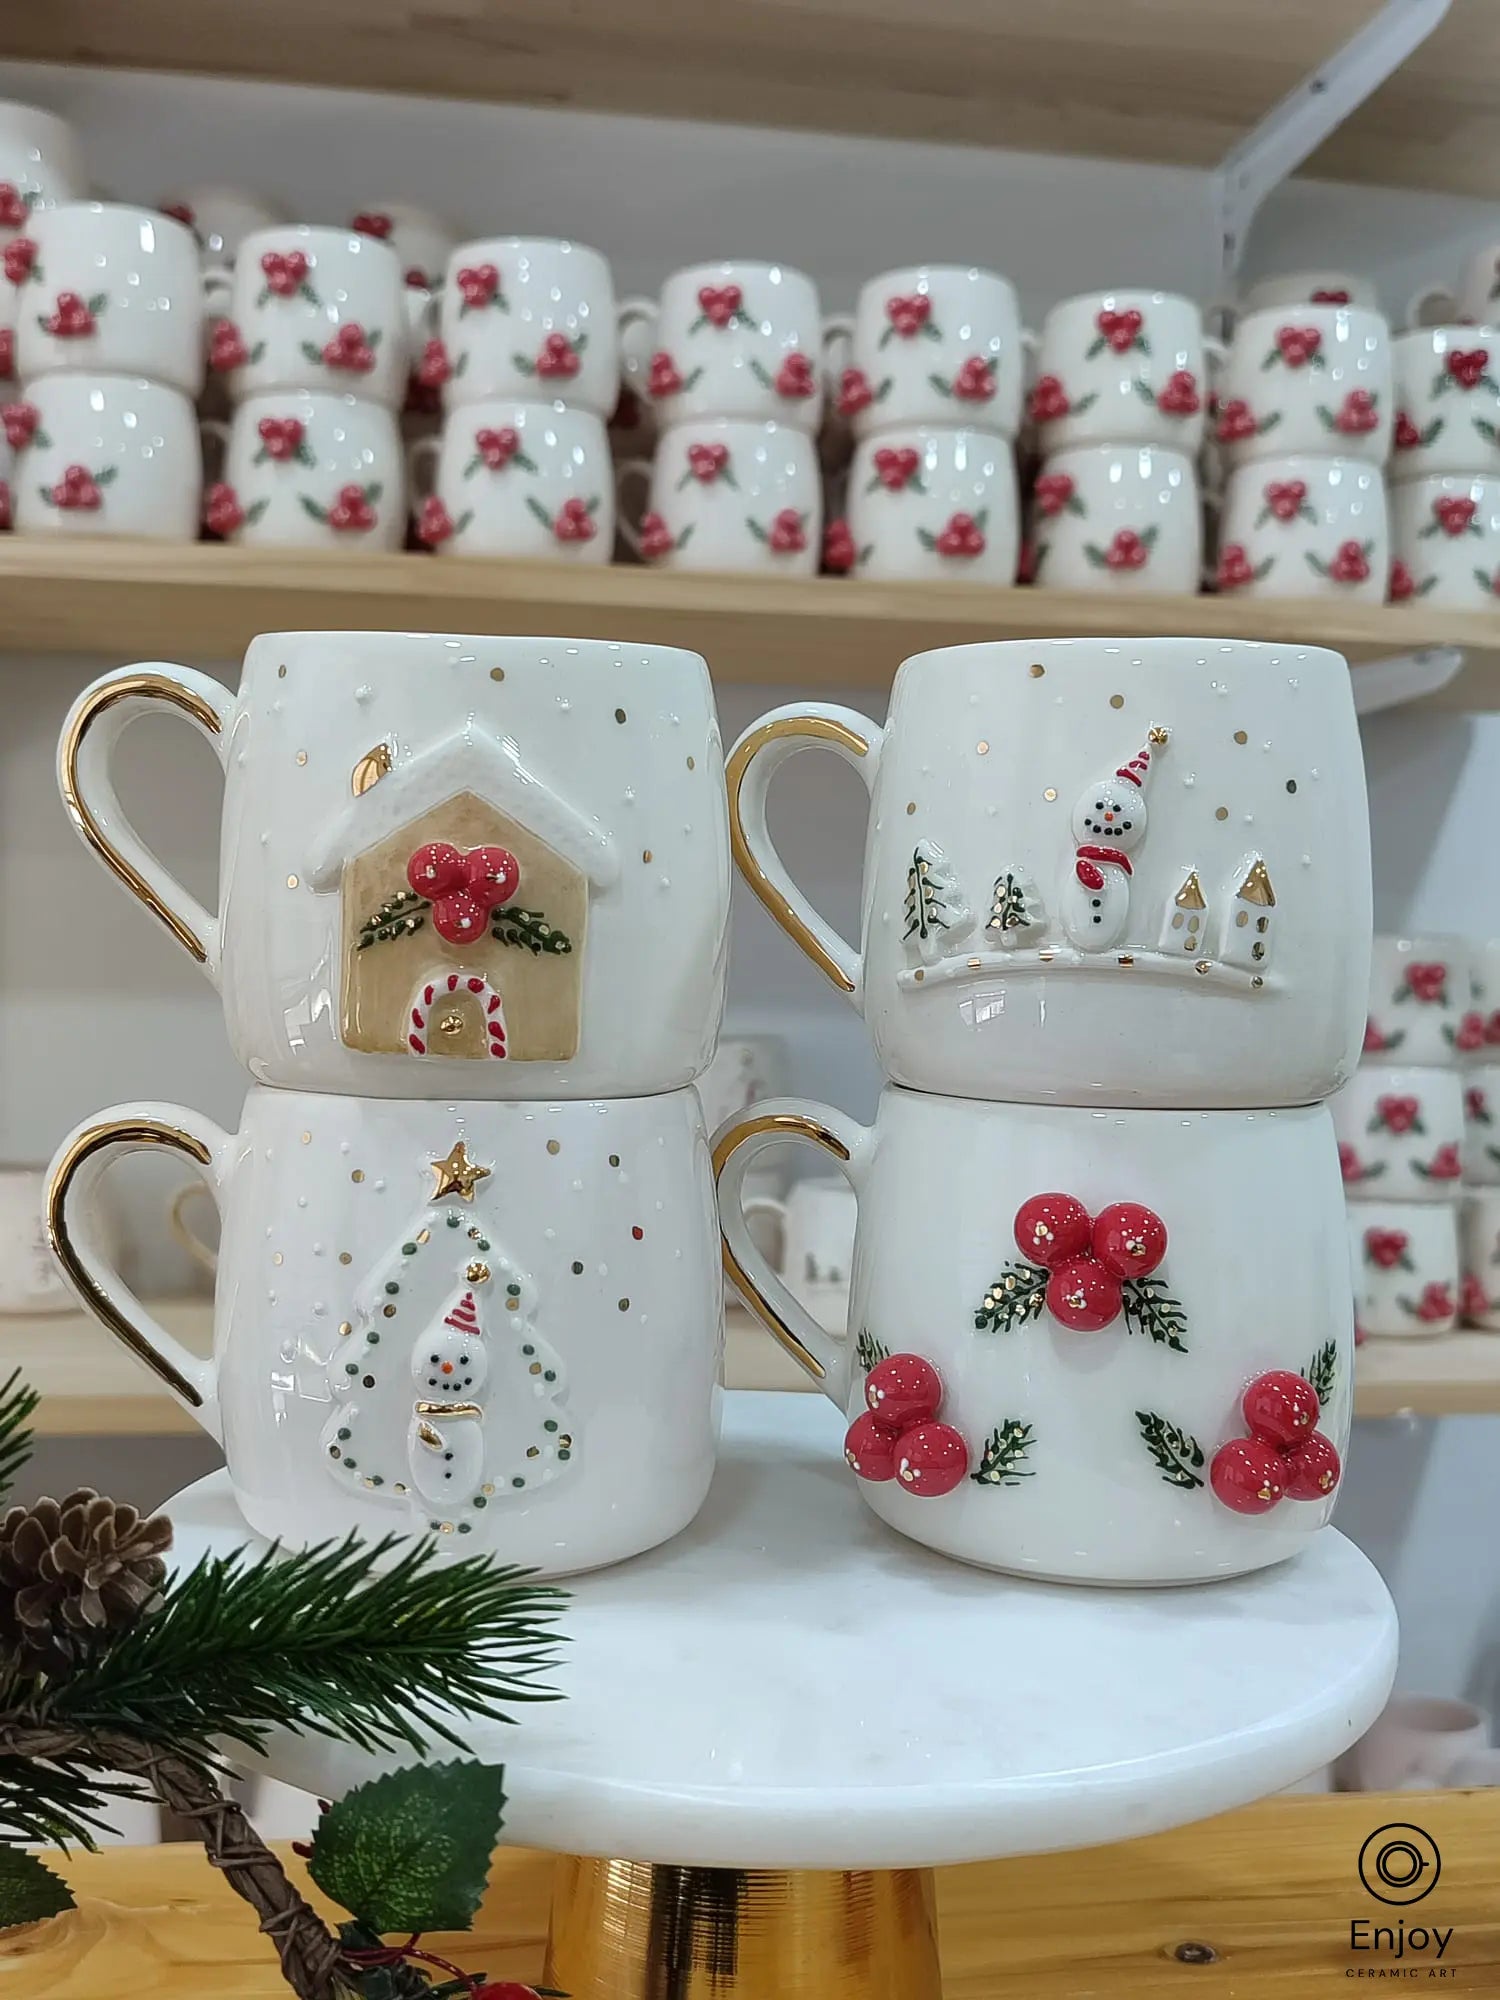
(465,884)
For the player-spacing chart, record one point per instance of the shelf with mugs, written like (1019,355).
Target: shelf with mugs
(205,602)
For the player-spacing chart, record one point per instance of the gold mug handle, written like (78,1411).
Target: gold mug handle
(77,1241)
(85,752)
(753,762)
(736,1146)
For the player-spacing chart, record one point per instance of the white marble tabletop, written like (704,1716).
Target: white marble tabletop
(789,1684)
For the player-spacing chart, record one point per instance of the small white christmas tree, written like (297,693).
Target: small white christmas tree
(1017,914)
(936,913)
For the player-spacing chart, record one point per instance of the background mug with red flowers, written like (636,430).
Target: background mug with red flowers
(108,290)
(1405,1259)
(221,218)
(1447,401)
(423,243)
(1400,1134)
(1481,1102)
(934,344)
(105,455)
(299,469)
(1117,367)
(1479,1030)
(1419,995)
(1306,379)
(1445,531)
(1057,1394)
(532,480)
(1471,302)
(1117,518)
(934,503)
(528,317)
(728,495)
(1312,288)
(1479,1251)
(1303,527)
(311,308)
(41,163)
(729,339)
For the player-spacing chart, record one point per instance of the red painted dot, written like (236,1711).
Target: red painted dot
(637,1232)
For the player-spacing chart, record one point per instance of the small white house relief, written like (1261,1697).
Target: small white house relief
(1250,919)
(1182,924)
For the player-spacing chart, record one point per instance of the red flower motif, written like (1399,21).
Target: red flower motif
(20,421)
(1374,1040)
(664,378)
(222,512)
(574,522)
(963,536)
(369,223)
(349,350)
(855,393)
(975,380)
(1120,329)
(1445,1164)
(1453,514)
(1492,1030)
(285,271)
(1236,420)
(707,461)
(434,368)
(71,319)
(351,512)
(20,255)
(558,358)
(910,314)
(1179,396)
(1436,1302)
(795,377)
(1403,583)
(1398,1114)
(1284,497)
(1298,344)
(1357,413)
(434,522)
(1386,1248)
(1053,491)
(7,354)
(1477,1104)
(1127,551)
(1234,567)
(1428,983)
(416,279)
(1327,298)
(180,211)
(1468,369)
(896,466)
(226,347)
(1474,1300)
(786,534)
(13,209)
(77,489)
(656,537)
(281,436)
(839,552)
(1406,436)
(1351,1167)
(1469,1034)
(1048,402)
(720,304)
(1350,564)
(497,447)
(479,284)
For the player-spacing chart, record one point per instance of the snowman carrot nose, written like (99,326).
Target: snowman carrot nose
(447,1367)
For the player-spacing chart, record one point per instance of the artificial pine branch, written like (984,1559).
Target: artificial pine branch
(17,1406)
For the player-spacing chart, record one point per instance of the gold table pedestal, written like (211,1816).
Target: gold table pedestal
(628,1930)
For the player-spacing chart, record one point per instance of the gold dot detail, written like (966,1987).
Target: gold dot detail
(291,881)
(497,673)
(512,1305)
(982,747)
(692,763)
(1050,793)
(919,975)
(307,1138)
(345,1257)
(614,1159)
(389,1312)
(281,673)
(1291,784)
(624,1305)
(1037,671)
(1240,736)
(345,1326)
(619,715)
(358,1174)
(1221,812)
(1117,701)
(278,1258)
(911,806)
(554,1145)
(645,854)
(301,756)
(477,1273)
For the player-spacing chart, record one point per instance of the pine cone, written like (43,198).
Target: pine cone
(73,1570)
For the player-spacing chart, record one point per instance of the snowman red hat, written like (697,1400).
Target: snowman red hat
(1138,768)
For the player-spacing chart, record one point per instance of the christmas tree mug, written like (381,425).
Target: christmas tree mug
(497,1324)
(1479,1242)
(1123,367)
(1306,379)
(1405,1257)
(305,469)
(105,455)
(1400,1134)
(507,857)
(1304,527)
(937,504)
(1446,535)
(1418,990)
(1447,401)
(532,480)
(1126,519)
(1107,1347)
(1083,853)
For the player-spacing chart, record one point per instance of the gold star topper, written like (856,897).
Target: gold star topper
(457,1175)
(1156,734)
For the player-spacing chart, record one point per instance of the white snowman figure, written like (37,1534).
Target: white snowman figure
(445,1441)
(1108,826)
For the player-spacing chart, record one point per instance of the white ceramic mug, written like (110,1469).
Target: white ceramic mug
(7,482)
(221,218)
(1447,401)
(1304,527)
(744,1067)
(31,1280)
(1417,1743)
(41,163)
(1085,852)
(1400,1134)
(422,241)
(532,480)
(1121,368)
(498,1326)
(1120,518)
(934,503)
(421,829)
(1306,379)
(728,495)
(312,308)
(816,1219)
(934,344)
(308,470)
(729,339)
(1479,1032)
(1446,535)
(1405,1267)
(1076,1377)
(1471,302)
(1479,1249)
(528,318)
(1418,989)
(110,290)
(1481,1087)
(1314,288)
(106,455)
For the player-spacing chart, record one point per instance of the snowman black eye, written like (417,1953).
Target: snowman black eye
(1098,805)
(434,1361)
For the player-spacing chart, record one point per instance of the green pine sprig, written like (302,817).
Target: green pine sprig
(868,1351)
(1322,1369)
(1150,1308)
(1016,1297)
(17,1407)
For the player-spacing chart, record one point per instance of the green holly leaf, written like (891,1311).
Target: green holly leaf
(411,1851)
(29,1891)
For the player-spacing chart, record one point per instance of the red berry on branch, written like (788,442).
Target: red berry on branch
(1312,1470)
(855,392)
(931,1459)
(1247,1476)
(436,869)
(459,918)
(1129,1240)
(1083,1295)
(492,875)
(903,1389)
(434,523)
(1281,1408)
(1052,1229)
(870,1448)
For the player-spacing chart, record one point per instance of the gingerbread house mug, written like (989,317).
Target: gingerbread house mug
(1097,871)
(504,857)
(1086,1382)
(496,1324)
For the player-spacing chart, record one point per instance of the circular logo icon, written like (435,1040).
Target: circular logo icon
(1400,1863)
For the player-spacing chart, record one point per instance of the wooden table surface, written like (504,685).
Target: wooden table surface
(1271,1891)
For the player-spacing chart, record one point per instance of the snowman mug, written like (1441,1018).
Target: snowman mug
(496,1324)
(1130,872)
(505,856)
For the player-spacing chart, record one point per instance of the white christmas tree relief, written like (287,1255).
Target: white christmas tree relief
(936,914)
(1016,913)
(446,1401)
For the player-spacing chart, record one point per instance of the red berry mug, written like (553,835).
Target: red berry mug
(934,504)
(1304,527)
(1307,378)
(303,469)
(1120,367)
(1400,1134)
(105,455)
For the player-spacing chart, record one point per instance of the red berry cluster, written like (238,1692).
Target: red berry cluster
(285,271)
(71,319)
(1053,491)
(664,377)
(349,350)
(281,437)
(962,536)
(226,347)
(839,551)
(558,357)
(1285,1457)
(909,315)
(707,461)
(497,447)
(433,367)
(898,1436)
(1049,400)
(855,392)
(795,378)
(1088,1257)
(222,512)
(77,488)
(478,284)
(720,303)
(463,888)
(1120,329)
(1179,395)
(20,255)
(975,380)
(20,421)
(896,466)
(1298,344)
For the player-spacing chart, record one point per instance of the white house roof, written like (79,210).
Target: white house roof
(465,761)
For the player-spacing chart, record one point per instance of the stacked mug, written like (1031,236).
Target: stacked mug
(39,167)
(1479,1218)
(1445,467)
(1118,406)
(1400,1126)
(471,939)
(1116,920)
(523,343)
(310,337)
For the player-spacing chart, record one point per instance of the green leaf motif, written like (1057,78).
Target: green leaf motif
(1149,1308)
(868,1351)
(18,1405)
(1002,1461)
(29,1891)
(1322,1370)
(1016,1297)
(411,1851)
(530,928)
(1178,1454)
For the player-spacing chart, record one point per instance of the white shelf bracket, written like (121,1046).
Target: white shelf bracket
(1402,677)
(1306,116)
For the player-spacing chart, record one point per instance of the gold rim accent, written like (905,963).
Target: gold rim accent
(117,1132)
(788,1125)
(134,687)
(814,729)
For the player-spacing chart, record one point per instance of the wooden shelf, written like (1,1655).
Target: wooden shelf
(205,602)
(1171,81)
(1453,1374)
